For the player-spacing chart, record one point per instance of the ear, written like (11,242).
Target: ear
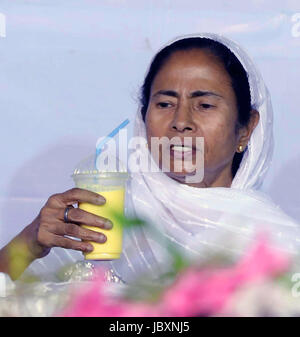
(245,132)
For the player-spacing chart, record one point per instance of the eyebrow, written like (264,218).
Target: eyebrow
(197,93)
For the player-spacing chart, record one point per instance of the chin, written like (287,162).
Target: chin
(179,176)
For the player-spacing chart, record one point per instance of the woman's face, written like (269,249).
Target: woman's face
(192,96)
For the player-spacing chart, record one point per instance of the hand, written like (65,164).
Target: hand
(49,229)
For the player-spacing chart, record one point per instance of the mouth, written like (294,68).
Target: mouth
(182,152)
(181,148)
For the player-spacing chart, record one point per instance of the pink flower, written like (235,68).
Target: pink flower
(205,292)
(195,292)
(91,300)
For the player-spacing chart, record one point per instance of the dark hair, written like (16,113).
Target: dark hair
(237,73)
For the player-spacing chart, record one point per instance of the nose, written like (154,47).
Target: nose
(183,120)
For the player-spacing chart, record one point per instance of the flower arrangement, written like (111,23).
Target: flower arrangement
(210,289)
(260,283)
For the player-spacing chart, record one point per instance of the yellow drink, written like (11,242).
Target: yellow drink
(110,184)
(112,248)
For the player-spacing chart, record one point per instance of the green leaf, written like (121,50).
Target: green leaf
(128,222)
(179,261)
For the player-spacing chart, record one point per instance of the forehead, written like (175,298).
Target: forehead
(196,68)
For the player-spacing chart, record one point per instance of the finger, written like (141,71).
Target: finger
(79,216)
(79,232)
(63,242)
(75,195)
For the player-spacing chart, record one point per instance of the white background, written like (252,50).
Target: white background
(70,71)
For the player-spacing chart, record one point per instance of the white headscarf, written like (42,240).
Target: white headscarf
(202,221)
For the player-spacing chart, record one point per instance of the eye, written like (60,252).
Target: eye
(164,105)
(206,106)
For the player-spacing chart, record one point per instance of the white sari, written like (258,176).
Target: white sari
(200,221)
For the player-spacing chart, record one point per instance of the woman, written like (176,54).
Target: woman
(196,86)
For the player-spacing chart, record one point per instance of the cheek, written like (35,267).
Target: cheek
(151,131)
(220,142)
(155,125)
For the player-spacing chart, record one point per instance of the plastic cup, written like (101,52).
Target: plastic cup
(111,185)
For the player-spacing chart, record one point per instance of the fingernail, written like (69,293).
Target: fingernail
(101,238)
(89,248)
(100,200)
(108,224)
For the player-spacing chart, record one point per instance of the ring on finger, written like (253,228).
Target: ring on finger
(67,209)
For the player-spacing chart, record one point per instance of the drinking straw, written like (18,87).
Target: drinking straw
(108,137)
